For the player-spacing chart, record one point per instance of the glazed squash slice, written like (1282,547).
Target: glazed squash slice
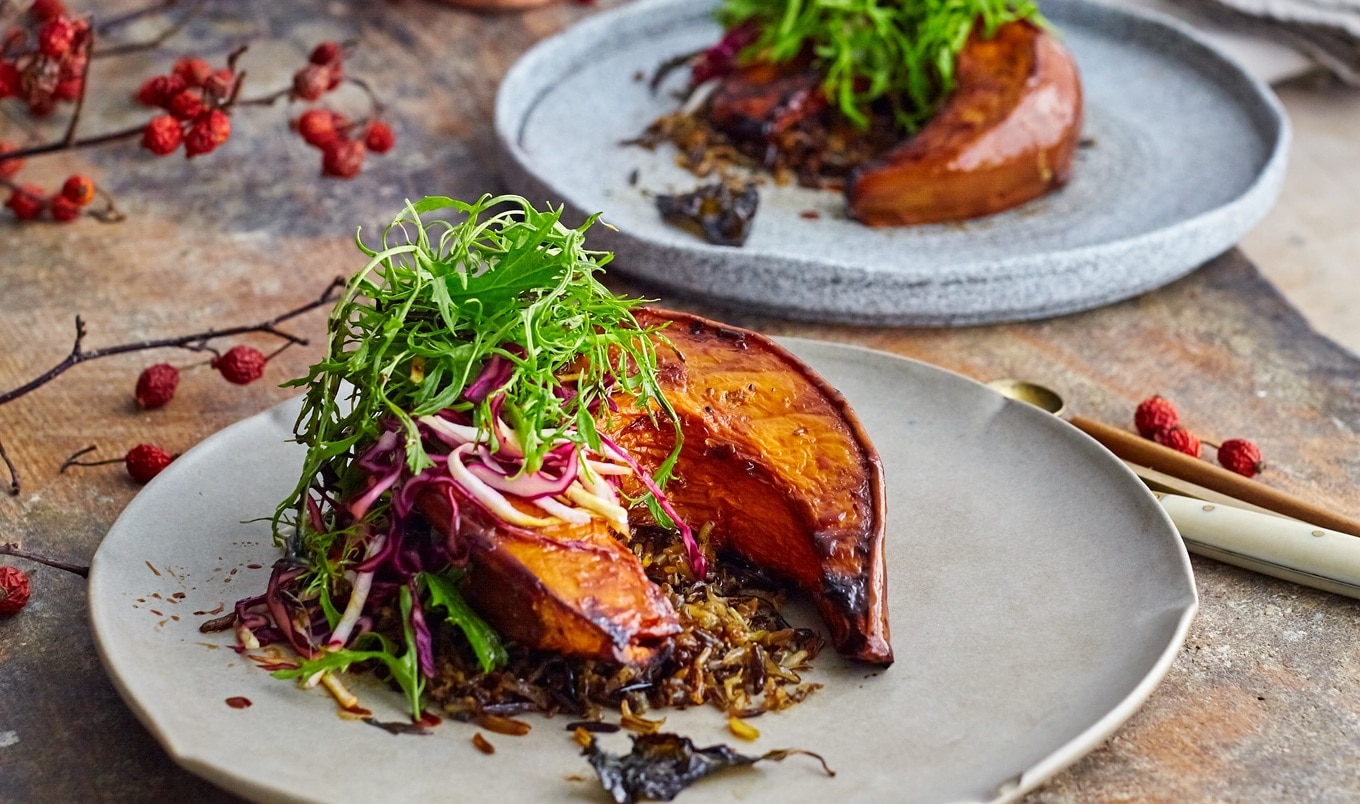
(1006,135)
(776,461)
(772,458)
(569,589)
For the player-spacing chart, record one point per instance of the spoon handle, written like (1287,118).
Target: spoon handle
(1136,449)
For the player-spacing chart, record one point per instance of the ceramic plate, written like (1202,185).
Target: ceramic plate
(1037,593)
(1186,154)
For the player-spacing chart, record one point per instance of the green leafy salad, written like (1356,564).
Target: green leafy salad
(901,53)
(468,358)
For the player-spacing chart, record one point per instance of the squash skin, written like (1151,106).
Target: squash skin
(572,590)
(1007,134)
(773,457)
(776,460)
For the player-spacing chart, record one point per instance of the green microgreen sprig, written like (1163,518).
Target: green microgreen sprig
(435,302)
(902,52)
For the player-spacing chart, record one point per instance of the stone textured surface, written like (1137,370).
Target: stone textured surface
(1146,204)
(1263,704)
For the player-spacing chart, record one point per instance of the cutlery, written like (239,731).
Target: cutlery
(1265,531)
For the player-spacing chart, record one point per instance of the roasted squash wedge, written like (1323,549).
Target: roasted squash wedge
(573,590)
(772,458)
(1006,135)
(776,461)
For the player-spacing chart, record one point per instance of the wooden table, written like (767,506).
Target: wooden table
(1262,703)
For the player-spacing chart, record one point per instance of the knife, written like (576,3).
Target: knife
(1225,529)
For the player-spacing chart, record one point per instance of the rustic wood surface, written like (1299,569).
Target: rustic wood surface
(1263,702)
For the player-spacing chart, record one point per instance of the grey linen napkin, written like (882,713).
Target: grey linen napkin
(1326,31)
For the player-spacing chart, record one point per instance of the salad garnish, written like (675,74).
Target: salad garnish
(472,356)
(899,52)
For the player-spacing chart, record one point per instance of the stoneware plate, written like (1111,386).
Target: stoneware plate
(1038,593)
(1185,154)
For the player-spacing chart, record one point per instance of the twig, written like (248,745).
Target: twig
(132,16)
(80,98)
(155,41)
(197,342)
(63,145)
(13,471)
(71,461)
(12,549)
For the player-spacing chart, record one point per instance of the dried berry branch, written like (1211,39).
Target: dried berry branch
(198,342)
(12,549)
(46,62)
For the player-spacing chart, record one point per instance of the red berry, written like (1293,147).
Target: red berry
(145,461)
(26,202)
(219,84)
(318,126)
(209,130)
(1179,439)
(327,53)
(198,140)
(78,189)
(342,158)
(1240,456)
(44,10)
(41,101)
(9,79)
(67,90)
(218,124)
(14,590)
(186,105)
(1155,415)
(379,137)
(156,385)
(311,82)
(58,36)
(158,90)
(241,364)
(162,135)
(193,71)
(63,209)
(9,166)
(71,67)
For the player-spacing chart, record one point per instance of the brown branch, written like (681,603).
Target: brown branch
(12,549)
(195,342)
(158,7)
(263,100)
(148,44)
(80,98)
(374,101)
(13,471)
(62,145)
(71,461)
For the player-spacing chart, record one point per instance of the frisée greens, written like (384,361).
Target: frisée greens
(899,52)
(470,354)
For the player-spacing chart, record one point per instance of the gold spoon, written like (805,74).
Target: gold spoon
(1250,531)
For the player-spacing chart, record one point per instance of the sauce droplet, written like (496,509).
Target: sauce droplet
(238,702)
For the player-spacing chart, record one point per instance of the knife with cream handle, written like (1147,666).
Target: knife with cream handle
(1273,545)
(1223,515)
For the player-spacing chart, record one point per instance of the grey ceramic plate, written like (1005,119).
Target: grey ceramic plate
(1187,154)
(1038,593)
